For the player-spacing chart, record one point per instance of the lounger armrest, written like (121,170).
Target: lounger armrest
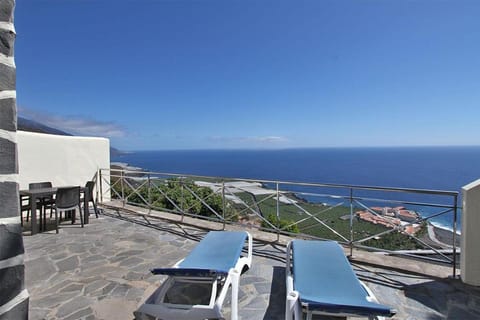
(245,260)
(190,272)
(250,249)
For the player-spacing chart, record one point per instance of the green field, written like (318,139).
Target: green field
(318,220)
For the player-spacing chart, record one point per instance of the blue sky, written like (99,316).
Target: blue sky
(252,74)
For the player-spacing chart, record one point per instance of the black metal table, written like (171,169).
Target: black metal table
(35,194)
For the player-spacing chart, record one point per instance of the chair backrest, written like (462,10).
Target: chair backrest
(67,197)
(89,190)
(39,185)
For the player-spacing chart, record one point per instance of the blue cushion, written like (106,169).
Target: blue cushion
(215,255)
(326,281)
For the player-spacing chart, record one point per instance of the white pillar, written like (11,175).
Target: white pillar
(470,241)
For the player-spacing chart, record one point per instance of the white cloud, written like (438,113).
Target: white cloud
(268,139)
(77,125)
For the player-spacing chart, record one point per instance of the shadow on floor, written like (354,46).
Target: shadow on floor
(276,304)
(450,297)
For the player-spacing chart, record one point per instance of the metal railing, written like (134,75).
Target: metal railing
(392,220)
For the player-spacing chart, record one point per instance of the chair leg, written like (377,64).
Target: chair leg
(56,221)
(40,220)
(44,219)
(95,208)
(80,214)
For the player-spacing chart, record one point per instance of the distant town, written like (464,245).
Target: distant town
(391,217)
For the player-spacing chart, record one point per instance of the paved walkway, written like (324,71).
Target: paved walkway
(102,272)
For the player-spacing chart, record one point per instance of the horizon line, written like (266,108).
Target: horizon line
(303,148)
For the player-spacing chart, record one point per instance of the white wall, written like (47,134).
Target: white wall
(470,254)
(63,160)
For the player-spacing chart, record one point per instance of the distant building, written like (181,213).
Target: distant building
(378,219)
(378,210)
(390,217)
(407,215)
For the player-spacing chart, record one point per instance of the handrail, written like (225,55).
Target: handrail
(332,185)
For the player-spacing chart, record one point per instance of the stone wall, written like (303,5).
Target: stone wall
(13,295)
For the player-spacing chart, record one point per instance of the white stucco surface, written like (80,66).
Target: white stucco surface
(63,160)
(470,256)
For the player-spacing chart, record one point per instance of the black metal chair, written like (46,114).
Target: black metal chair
(24,206)
(89,186)
(68,199)
(43,203)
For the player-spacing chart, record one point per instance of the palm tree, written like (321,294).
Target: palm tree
(13,295)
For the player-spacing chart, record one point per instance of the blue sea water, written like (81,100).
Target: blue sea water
(438,168)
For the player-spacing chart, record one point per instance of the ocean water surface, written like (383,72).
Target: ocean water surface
(434,168)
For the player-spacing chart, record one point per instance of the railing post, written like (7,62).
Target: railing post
(455,200)
(351,222)
(101,184)
(182,200)
(95,180)
(278,213)
(123,191)
(149,195)
(224,205)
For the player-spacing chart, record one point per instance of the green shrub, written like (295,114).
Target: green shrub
(282,224)
(175,193)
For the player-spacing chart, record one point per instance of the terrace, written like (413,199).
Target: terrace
(102,272)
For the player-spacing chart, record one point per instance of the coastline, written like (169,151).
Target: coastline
(132,172)
(442,236)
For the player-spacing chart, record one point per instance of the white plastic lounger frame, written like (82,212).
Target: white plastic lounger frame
(322,282)
(216,260)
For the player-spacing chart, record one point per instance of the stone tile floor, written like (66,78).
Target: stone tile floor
(102,272)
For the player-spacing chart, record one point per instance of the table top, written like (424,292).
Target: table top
(44,191)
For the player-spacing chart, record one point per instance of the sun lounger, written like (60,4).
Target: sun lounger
(197,285)
(320,280)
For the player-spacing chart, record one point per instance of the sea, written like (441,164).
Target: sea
(432,168)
